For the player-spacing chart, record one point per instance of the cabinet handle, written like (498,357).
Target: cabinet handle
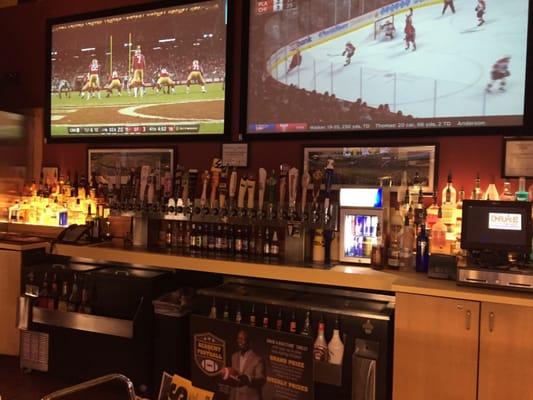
(468,319)
(491,322)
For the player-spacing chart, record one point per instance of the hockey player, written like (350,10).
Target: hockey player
(500,71)
(480,11)
(389,29)
(410,32)
(348,52)
(448,3)
(296,60)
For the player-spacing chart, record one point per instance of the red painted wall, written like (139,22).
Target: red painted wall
(23,51)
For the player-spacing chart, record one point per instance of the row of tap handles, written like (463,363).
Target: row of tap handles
(234,196)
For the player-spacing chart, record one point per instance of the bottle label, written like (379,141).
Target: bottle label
(265,322)
(320,352)
(292,328)
(279,324)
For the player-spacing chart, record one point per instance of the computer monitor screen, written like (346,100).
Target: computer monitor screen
(496,225)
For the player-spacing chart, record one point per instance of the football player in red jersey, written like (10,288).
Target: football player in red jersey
(196,73)
(165,80)
(137,82)
(349,51)
(93,82)
(410,32)
(500,71)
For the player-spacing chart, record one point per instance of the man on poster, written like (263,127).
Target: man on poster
(246,376)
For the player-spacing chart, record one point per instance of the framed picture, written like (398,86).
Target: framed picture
(50,175)
(114,167)
(517,158)
(375,165)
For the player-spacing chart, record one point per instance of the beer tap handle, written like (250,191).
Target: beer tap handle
(215,180)
(306,181)
(145,172)
(293,187)
(223,188)
(185,189)
(193,178)
(251,192)
(203,197)
(318,175)
(242,192)
(283,172)
(271,188)
(330,166)
(261,189)
(232,187)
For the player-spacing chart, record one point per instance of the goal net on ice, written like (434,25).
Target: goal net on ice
(382,26)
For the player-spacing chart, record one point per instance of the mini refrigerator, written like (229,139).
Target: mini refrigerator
(361,210)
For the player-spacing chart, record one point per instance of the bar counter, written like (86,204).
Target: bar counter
(345,276)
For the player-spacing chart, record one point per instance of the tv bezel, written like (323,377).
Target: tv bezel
(526,129)
(51,22)
(525,205)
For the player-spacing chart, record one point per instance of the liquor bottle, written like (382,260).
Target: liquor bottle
(293,325)
(187,236)
(414,190)
(279,320)
(224,239)
(377,252)
(253,318)
(438,236)
(507,194)
(218,238)
(306,330)
(407,241)
(403,188)
(259,245)
(320,347)
(225,315)
(205,237)
(62,303)
(75,298)
(419,209)
(459,214)
(266,243)
(422,250)
(43,293)
(431,213)
(244,240)
(477,193)
(238,240)
(89,220)
(396,223)
(211,237)
(492,192)
(449,194)
(522,194)
(238,315)
(192,237)
(335,345)
(199,237)
(266,320)
(274,245)
(252,241)
(52,299)
(85,305)
(168,236)
(231,239)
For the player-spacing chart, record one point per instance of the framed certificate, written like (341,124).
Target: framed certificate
(517,157)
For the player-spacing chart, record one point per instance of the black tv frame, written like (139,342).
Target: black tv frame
(526,129)
(122,139)
(524,205)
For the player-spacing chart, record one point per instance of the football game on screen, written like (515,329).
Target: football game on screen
(156,72)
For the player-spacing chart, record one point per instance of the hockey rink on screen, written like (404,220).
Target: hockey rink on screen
(445,77)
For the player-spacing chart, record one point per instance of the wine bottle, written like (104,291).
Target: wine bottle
(266,320)
(306,330)
(279,320)
(213,310)
(335,345)
(225,316)
(320,347)
(62,303)
(293,325)
(253,319)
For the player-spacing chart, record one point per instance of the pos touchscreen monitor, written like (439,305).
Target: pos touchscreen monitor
(496,225)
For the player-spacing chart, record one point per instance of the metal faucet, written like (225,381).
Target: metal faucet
(92,383)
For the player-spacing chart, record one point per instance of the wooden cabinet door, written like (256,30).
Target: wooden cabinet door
(506,352)
(435,348)
(9,294)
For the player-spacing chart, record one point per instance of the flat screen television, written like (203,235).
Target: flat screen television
(345,65)
(496,225)
(157,70)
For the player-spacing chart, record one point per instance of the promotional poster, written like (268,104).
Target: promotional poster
(241,362)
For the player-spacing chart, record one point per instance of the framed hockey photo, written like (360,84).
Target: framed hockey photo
(376,166)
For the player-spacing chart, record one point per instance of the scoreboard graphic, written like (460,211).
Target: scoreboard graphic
(272,6)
